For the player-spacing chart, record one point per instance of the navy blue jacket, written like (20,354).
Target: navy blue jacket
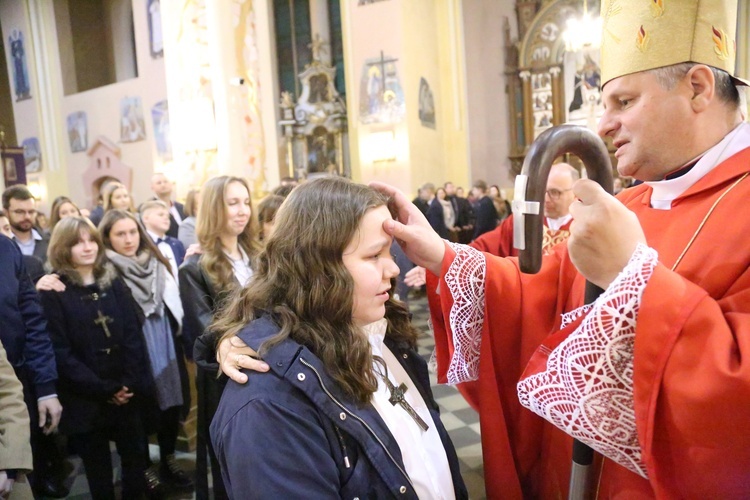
(292,433)
(23,327)
(178,249)
(92,365)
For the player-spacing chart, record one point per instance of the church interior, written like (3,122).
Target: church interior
(405,92)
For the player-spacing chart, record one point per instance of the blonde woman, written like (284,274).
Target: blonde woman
(116,195)
(228,238)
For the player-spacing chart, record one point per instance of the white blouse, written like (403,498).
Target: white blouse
(422,451)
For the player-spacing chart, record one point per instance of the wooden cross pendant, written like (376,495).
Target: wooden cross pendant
(103,321)
(397,398)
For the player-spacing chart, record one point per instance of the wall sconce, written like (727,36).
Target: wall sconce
(382,146)
(37,190)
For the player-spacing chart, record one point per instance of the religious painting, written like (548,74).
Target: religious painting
(32,155)
(541,101)
(160,117)
(19,68)
(367,2)
(14,171)
(582,81)
(77,131)
(426,104)
(132,127)
(321,152)
(381,95)
(155,33)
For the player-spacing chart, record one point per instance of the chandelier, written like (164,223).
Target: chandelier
(584,32)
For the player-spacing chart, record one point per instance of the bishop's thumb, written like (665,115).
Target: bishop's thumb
(588,191)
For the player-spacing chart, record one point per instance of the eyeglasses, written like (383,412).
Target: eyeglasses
(20,212)
(554,194)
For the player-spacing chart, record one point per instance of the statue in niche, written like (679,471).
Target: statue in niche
(318,89)
(321,152)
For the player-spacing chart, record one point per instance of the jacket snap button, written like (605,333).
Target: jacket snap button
(402,489)
(300,377)
(279,363)
(356,498)
(406,356)
(342,415)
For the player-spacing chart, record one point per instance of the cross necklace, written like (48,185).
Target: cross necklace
(102,319)
(397,398)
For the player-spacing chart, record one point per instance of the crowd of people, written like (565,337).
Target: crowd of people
(100,312)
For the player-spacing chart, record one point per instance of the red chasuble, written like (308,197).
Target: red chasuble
(690,393)
(499,241)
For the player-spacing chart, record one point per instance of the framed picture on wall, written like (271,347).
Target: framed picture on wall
(32,154)
(583,92)
(155,34)
(77,131)
(14,170)
(132,126)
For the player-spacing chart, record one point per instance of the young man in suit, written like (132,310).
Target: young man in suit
(156,220)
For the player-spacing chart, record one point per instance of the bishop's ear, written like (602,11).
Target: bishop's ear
(703,86)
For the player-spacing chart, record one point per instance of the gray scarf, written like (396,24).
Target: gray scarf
(145,278)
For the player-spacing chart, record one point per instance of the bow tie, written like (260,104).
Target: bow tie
(160,240)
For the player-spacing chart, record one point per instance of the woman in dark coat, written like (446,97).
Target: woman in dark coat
(100,359)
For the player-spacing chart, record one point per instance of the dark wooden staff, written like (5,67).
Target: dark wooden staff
(528,232)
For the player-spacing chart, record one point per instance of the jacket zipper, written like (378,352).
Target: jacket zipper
(325,389)
(343,447)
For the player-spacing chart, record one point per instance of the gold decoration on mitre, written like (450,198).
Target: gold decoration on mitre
(639,35)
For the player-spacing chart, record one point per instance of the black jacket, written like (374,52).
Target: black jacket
(199,301)
(316,441)
(23,327)
(92,365)
(486,216)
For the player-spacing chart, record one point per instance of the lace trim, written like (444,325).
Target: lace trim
(587,387)
(465,281)
(572,316)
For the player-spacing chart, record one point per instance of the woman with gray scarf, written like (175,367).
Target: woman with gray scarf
(149,277)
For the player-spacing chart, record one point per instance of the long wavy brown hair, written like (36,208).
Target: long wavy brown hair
(211,223)
(301,281)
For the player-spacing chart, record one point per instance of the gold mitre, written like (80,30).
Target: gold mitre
(645,34)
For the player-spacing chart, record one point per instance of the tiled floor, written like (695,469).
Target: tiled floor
(459,419)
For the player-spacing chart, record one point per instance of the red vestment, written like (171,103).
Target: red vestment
(691,388)
(499,241)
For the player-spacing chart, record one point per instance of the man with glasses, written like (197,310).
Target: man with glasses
(557,219)
(20,206)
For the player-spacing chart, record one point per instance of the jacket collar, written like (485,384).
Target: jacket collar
(304,371)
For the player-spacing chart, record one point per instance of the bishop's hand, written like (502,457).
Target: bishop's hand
(603,235)
(421,244)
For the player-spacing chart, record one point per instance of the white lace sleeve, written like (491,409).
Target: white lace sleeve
(465,282)
(587,387)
